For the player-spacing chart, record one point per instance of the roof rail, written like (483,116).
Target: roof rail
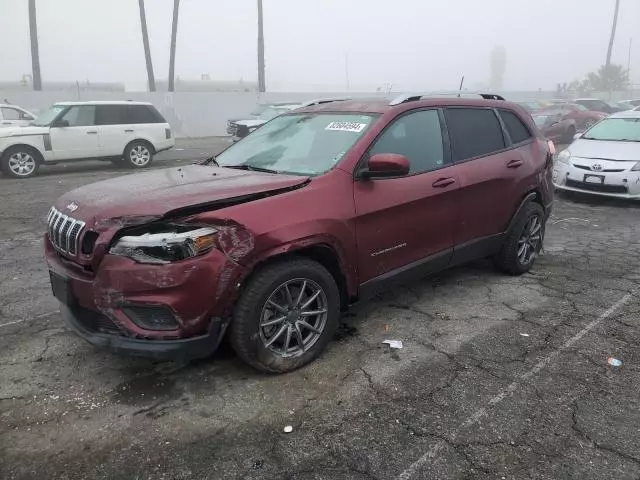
(321,101)
(412,97)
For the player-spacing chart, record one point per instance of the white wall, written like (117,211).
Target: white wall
(200,114)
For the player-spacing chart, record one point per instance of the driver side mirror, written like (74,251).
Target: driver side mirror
(61,123)
(383,165)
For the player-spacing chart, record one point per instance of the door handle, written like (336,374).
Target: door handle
(443,182)
(514,163)
(128,131)
(92,132)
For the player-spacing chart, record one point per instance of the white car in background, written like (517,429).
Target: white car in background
(604,160)
(14,116)
(128,133)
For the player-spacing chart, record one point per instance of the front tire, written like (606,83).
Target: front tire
(286,316)
(138,154)
(21,162)
(523,241)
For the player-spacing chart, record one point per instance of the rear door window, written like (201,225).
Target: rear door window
(111,115)
(474,132)
(518,131)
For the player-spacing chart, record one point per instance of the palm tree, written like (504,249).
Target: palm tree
(35,55)
(261,75)
(172,52)
(151,80)
(613,32)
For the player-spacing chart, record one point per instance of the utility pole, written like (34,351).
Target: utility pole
(262,87)
(35,54)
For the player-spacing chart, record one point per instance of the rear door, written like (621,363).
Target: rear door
(74,135)
(401,221)
(115,132)
(491,169)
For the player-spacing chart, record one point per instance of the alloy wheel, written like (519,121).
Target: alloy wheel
(140,155)
(530,240)
(294,317)
(22,164)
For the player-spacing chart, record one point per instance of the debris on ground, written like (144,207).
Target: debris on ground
(614,362)
(257,465)
(524,334)
(394,343)
(288,429)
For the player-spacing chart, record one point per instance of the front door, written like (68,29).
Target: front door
(74,135)
(400,222)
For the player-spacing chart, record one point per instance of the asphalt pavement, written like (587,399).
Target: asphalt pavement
(499,377)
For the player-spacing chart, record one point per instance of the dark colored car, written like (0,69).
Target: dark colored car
(583,117)
(555,125)
(317,209)
(597,105)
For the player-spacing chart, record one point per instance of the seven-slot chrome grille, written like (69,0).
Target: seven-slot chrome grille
(64,231)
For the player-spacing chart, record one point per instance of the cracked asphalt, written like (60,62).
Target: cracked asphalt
(499,378)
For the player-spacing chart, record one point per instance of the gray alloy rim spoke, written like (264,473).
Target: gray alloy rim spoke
(293,317)
(273,321)
(277,335)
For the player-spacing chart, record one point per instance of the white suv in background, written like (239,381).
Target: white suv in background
(14,116)
(128,133)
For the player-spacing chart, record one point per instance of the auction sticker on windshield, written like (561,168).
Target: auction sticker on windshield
(346,127)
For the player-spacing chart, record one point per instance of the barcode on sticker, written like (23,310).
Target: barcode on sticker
(346,126)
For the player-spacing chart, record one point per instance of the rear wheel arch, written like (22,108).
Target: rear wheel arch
(147,142)
(533,195)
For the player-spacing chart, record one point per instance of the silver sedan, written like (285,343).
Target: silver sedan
(604,160)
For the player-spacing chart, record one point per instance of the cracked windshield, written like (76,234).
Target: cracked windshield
(311,240)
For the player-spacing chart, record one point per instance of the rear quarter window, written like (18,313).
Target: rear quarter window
(516,128)
(144,114)
(474,132)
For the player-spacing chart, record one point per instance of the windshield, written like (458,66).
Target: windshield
(46,117)
(303,144)
(616,130)
(272,112)
(577,106)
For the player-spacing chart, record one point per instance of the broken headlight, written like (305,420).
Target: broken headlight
(172,245)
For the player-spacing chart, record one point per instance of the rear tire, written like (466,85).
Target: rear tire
(21,162)
(138,154)
(266,331)
(523,241)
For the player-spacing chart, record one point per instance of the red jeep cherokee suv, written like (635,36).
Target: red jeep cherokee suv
(271,239)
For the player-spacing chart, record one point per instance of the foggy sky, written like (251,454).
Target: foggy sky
(414,44)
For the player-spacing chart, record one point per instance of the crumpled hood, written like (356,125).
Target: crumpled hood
(158,192)
(597,149)
(28,130)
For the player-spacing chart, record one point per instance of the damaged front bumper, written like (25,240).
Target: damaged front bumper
(176,349)
(174,311)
